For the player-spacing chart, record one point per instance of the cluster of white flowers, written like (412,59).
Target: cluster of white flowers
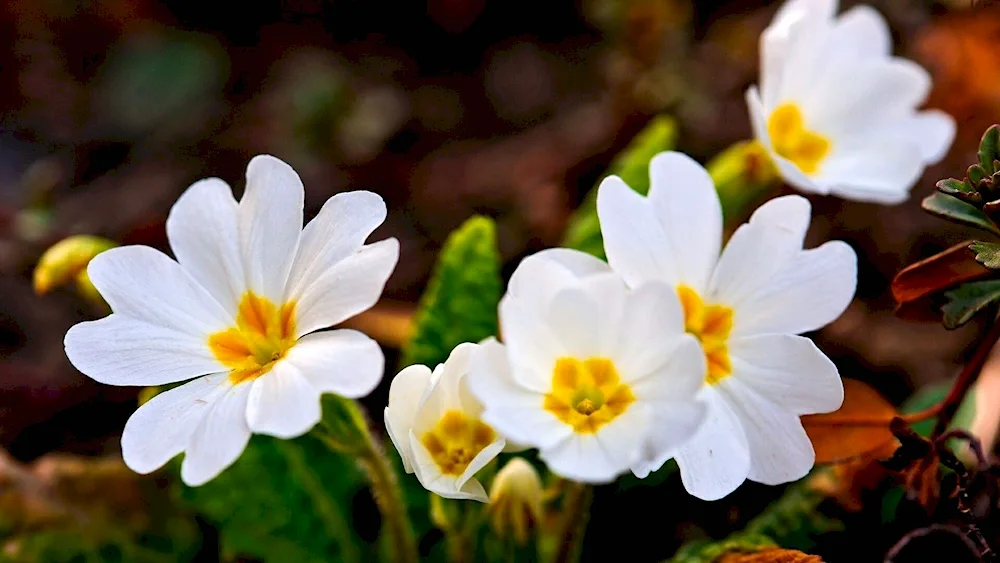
(676,348)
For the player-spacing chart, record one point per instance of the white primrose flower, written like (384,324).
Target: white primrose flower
(745,307)
(837,112)
(596,376)
(435,424)
(238,310)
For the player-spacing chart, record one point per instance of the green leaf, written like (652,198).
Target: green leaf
(989,149)
(709,552)
(632,165)
(967,300)
(976,174)
(987,254)
(959,189)
(283,500)
(953,209)
(460,303)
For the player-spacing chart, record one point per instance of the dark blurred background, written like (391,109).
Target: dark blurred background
(509,108)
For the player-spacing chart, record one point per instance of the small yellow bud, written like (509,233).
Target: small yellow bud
(744,175)
(516,500)
(66,261)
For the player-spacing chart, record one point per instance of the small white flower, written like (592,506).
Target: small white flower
(745,307)
(434,422)
(837,112)
(236,311)
(596,376)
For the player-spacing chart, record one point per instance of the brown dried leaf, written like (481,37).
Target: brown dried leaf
(770,555)
(856,429)
(847,481)
(921,280)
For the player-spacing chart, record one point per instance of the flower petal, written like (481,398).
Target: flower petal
(591,458)
(789,172)
(864,32)
(530,344)
(270,221)
(162,427)
(282,403)
(202,229)
(345,362)
(336,233)
(932,130)
(790,212)
(118,350)
(405,394)
(809,292)
(145,284)
(486,455)
(717,459)
(652,325)
(351,286)
(444,485)
(540,276)
(754,254)
(789,371)
(220,438)
(780,450)
(876,169)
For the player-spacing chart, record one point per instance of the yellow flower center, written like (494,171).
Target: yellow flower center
(711,325)
(805,148)
(263,334)
(455,440)
(587,394)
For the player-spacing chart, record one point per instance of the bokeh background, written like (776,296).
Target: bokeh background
(446,108)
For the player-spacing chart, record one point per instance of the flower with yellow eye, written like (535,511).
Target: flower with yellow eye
(837,112)
(436,425)
(745,306)
(237,312)
(596,376)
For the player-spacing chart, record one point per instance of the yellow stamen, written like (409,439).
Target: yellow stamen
(455,440)
(587,394)
(792,140)
(711,325)
(263,334)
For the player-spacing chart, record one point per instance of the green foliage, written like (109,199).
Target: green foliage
(284,500)
(632,165)
(968,299)
(706,551)
(958,211)
(987,254)
(460,303)
(931,395)
(794,519)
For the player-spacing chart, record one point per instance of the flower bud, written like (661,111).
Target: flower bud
(66,261)
(516,500)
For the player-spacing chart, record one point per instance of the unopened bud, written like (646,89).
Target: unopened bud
(743,174)
(516,500)
(66,261)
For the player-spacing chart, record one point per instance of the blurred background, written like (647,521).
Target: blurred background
(446,108)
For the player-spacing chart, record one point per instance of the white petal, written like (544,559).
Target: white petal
(574,319)
(345,362)
(162,427)
(452,380)
(932,130)
(145,284)
(282,403)
(220,437)
(687,206)
(671,426)
(678,378)
(530,344)
(780,450)
(652,325)
(351,286)
(875,169)
(753,255)
(514,411)
(270,221)
(337,232)
(444,485)
(486,455)
(540,276)
(809,292)
(119,350)
(202,229)
(790,371)
(790,212)
(863,31)
(405,393)
(717,459)
(789,172)
(599,458)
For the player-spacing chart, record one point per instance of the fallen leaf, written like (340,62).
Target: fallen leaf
(859,428)
(770,555)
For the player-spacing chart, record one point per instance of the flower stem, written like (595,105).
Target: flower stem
(349,433)
(575,514)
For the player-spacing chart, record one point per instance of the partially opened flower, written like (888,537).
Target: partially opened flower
(435,424)
(745,306)
(516,501)
(837,112)
(238,310)
(596,376)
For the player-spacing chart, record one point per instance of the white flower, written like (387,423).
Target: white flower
(236,311)
(837,112)
(434,422)
(596,376)
(745,306)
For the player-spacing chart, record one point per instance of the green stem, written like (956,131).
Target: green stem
(575,514)
(353,437)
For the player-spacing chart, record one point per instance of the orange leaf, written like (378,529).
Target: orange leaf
(860,427)
(941,271)
(770,555)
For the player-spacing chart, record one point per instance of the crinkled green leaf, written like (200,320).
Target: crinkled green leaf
(989,149)
(987,254)
(953,209)
(708,551)
(976,174)
(960,189)
(967,300)
(460,302)
(632,165)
